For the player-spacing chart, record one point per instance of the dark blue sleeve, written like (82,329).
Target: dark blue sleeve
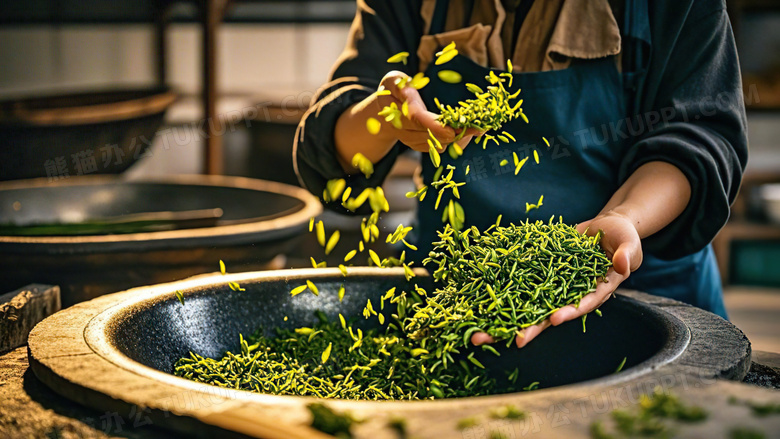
(381,29)
(693,92)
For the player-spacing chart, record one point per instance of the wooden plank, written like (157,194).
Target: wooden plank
(22,309)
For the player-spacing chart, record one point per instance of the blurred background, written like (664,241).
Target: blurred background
(218,88)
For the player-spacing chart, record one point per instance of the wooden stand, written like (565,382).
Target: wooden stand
(211,14)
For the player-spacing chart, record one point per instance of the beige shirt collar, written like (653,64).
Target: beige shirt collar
(554,32)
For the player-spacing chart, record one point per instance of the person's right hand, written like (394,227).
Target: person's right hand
(352,136)
(414,132)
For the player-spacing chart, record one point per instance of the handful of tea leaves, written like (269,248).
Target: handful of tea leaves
(489,109)
(504,279)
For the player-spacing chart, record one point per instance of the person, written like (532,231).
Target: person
(641,102)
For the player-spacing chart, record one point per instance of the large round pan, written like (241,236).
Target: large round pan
(58,136)
(260,220)
(118,351)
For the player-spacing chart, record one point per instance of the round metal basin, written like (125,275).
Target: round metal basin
(260,221)
(119,350)
(40,136)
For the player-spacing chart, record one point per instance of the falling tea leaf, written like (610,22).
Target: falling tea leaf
(373,125)
(326,353)
(398,57)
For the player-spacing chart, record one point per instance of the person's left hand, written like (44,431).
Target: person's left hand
(622,244)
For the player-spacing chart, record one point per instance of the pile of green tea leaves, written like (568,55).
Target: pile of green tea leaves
(498,281)
(331,360)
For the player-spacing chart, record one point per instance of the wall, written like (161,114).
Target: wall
(255,63)
(252,58)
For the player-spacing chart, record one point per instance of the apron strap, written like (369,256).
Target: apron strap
(439,20)
(636,45)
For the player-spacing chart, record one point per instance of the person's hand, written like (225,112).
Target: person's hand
(414,132)
(351,135)
(622,244)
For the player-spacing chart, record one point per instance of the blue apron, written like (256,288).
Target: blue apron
(577,173)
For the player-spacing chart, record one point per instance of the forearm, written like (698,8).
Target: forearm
(351,135)
(652,197)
